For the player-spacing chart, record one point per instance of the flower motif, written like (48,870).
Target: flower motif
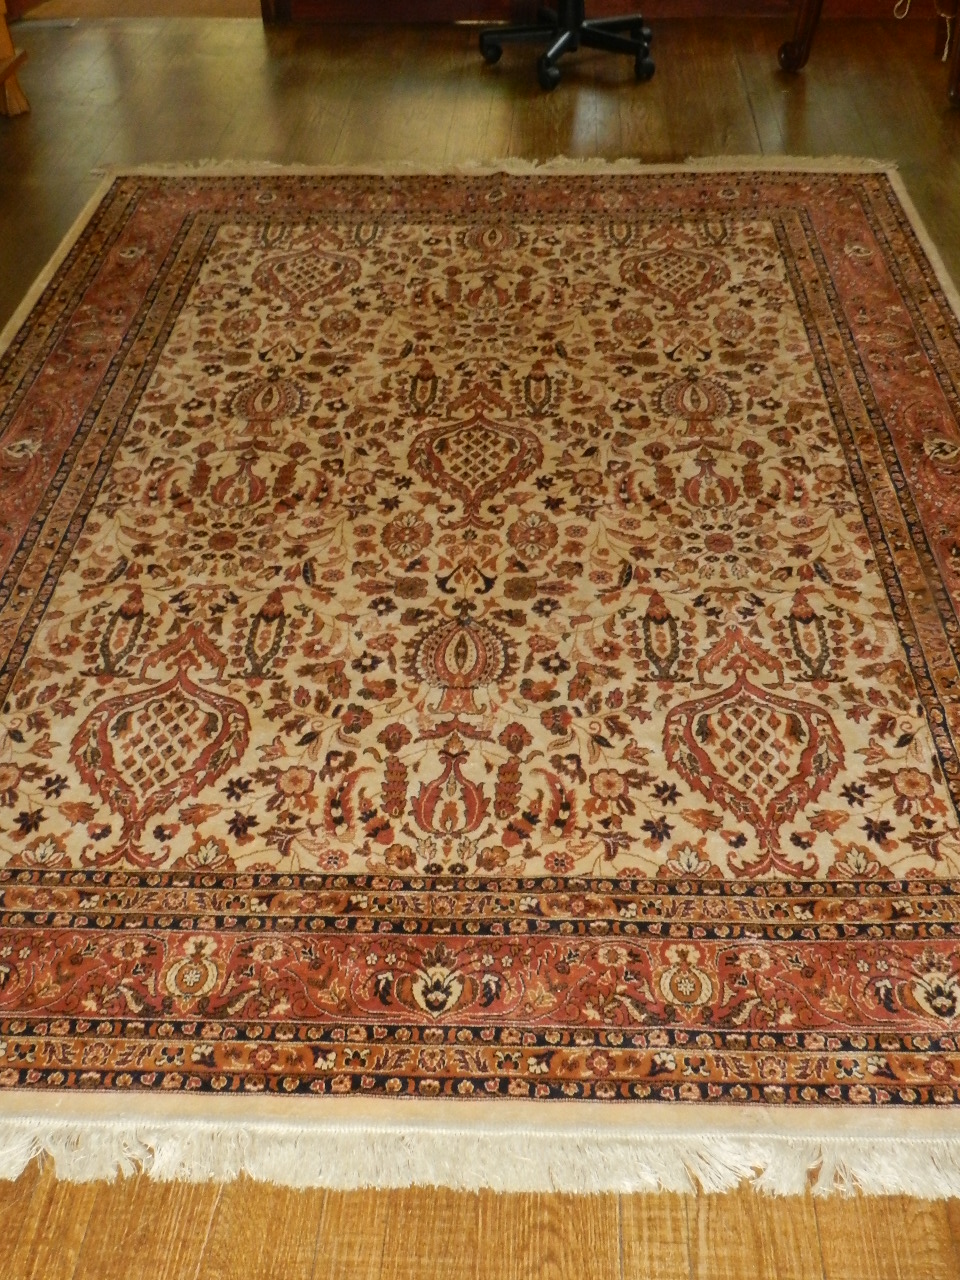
(355,719)
(206,855)
(608,784)
(911,784)
(559,863)
(45,853)
(587,480)
(361,479)
(400,857)
(296,783)
(394,737)
(690,860)
(9,781)
(532,536)
(864,647)
(556,720)
(855,862)
(331,860)
(937,992)
(515,738)
(406,536)
(437,988)
(599,1063)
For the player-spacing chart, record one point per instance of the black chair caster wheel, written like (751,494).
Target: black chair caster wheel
(644,68)
(491,52)
(643,35)
(547,74)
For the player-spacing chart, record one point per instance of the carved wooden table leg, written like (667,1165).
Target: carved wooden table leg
(12,98)
(794,53)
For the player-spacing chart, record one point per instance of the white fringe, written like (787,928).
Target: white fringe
(585,1158)
(515,165)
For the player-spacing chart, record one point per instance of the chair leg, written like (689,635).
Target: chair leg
(594,38)
(566,42)
(630,22)
(564,30)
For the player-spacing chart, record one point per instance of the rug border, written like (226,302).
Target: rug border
(951,288)
(498,1144)
(509,165)
(33,295)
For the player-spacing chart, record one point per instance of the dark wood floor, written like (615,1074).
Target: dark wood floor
(110,92)
(122,92)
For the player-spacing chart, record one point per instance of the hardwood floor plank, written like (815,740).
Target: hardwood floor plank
(953,1222)
(728,128)
(644,109)
(764,1237)
(352,1231)
(886,1238)
(147,1230)
(552,1237)
(15,1198)
(655,1241)
(431,1235)
(52,1231)
(482,116)
(259,1232)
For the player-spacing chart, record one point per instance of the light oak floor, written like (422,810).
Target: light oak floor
(139,1230)
(122,92)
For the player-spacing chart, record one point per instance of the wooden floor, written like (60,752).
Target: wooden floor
(121,92)
(138,1230)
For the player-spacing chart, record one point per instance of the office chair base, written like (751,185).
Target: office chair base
(565,31)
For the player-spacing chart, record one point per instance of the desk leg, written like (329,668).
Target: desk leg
(794,53)
(953,79)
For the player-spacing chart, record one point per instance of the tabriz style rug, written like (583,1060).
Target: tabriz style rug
(480,684)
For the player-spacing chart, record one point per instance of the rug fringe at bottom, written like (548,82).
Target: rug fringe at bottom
(361,1156)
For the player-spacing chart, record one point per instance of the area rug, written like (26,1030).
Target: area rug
(480,683)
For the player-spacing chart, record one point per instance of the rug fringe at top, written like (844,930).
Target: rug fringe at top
(514,165)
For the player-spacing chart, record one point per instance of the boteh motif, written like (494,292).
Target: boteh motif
(698,400)
(496,644)
(450,804)
(263,400)
(459,657)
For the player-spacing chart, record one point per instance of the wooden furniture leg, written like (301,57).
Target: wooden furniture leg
(794,53)
(12,98)
(953,77)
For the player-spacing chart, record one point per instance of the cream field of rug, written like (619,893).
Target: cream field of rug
(479,683)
